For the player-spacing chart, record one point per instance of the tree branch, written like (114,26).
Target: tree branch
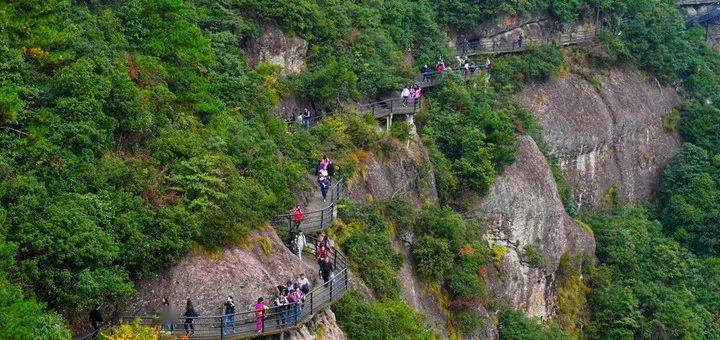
(14,130)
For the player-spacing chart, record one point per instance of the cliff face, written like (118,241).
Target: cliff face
(606,128)
(246,273)
(522,215)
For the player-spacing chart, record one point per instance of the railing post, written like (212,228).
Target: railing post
(331,289)
(322,217)
(311,301)
(222,327)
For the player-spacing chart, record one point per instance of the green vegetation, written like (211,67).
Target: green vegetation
(386,319)
(514,325)
(648,285)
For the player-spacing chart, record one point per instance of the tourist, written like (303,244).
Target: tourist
(520,40)
(298,216)
(289,287)
(297,296)
(321,254)
(404,94)
(280,304)
(96,320)
(324,162)
(330,169)
(326,268)
(260,310)
(488,64)
(324,240)
(306,118)
(324,185)
(300,242)
(473,67)
(167,315)
(190,316)
(415,95)
(303,283)
(465,45)
(229,315)
(425,73)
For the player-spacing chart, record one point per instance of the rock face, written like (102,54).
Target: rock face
(244,273)
(322,327)
(272,46)
(407,173)
(523,214)
(606,130)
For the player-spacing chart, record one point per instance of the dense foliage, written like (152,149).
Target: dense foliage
(649,286)
(387,319)
(514,325)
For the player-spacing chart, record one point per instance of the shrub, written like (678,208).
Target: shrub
(513,325)
(433,256)
(468,322)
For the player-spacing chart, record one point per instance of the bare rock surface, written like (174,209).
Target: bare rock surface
(407,173)
(244,273)
(522,211)
(605,127)
(323,326)
(274,47)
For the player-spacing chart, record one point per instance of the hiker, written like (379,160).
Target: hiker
(321,254)
(298,216)
(440,67)
(260,310)
(415,95)
(300,243)
(330,169)
(167,315)
(324,185)
(297,296)
(425,73)
(96,321)
(324,162)
(289,287)
(324,241)
(473,67)
(326,268)
(190,316)
(306,118)
(404,94)
(520,40)
(303,283)
(229,315)
(605,22)
(488,64)
(280,304)
(465,69)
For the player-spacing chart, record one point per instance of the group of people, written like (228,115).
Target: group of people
(411,94)
(324,171)
(302,119)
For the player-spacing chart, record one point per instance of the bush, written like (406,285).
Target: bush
(468,322)
(513,325)
(433,257)
(400,130)
(388,319)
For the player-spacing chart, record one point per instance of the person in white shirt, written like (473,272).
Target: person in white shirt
(405,94)
(300,242)
(303,283)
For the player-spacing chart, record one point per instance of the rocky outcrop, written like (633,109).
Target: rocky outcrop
(322,327)
(606,128)
(274,47)
(538,27)
(407,172)
(528,229)
(245,272)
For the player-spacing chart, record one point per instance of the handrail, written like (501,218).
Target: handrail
(276,319)
(694,2)
(712,13)
(316,220)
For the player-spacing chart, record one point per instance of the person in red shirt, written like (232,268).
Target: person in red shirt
(298,216)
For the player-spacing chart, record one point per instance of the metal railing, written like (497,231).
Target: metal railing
(694,2)
(398,106)
(492,46)
(712,13)
(276,319)
(316,220)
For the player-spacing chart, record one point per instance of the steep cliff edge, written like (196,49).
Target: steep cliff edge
(523,217)
(606,128)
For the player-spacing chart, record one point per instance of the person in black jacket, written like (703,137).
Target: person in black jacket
(190,316)
(229,315)
(96,320)
(326,268)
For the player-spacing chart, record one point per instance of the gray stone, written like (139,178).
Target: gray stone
(605,127)
(274,47)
